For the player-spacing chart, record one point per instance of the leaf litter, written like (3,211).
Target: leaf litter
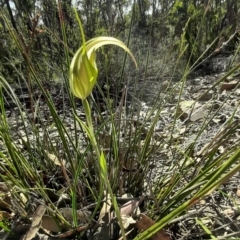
(194,108)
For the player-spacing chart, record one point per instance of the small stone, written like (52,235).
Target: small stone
(228,85)
(238,193)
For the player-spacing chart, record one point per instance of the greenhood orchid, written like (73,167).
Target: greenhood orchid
(83,77)
(83,69)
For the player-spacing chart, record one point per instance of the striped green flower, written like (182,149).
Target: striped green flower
(83,69)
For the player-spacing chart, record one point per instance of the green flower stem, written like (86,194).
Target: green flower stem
(102,172)
(87,110)
(91,135)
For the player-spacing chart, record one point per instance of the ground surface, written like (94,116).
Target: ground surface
(220,211)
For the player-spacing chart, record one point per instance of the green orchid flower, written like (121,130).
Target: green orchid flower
(83,69)
(83,77)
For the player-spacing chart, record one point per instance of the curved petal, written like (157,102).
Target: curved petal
(83,69)
(97,42)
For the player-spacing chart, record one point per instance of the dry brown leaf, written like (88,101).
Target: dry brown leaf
(183,108)
(197,115)
(129,208)
(104,229)
(55,159)
(145,222)
(106,207)
(68,233)
(81,215)
(186,108)
(50,224)
(36,223)
(127,220)
(228,86)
